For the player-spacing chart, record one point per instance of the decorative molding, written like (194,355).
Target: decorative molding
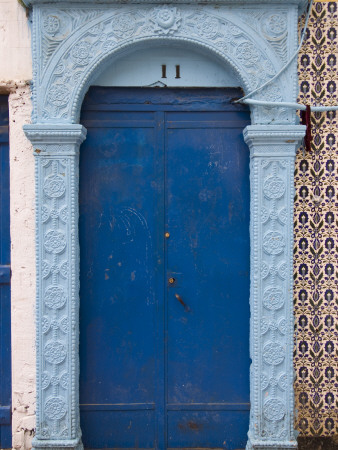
(272,154)
(274,139)
(56,152)
(71,46)
(300,3)
(273,26)
(52,140)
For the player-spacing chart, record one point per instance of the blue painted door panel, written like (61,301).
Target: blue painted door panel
(164,318)
(5,306)
(120,209)
(208,255)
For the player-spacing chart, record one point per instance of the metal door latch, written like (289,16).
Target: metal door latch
(185,306)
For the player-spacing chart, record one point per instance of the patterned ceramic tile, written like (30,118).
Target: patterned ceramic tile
(316,229)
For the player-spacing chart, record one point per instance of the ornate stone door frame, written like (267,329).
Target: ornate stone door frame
(72,44)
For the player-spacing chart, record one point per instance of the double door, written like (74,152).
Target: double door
(164,239)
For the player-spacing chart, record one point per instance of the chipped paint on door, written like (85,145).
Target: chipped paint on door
(164,238)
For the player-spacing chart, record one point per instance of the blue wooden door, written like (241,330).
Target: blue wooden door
(5,298)
(164,238)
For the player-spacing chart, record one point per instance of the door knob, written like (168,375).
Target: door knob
(171,280)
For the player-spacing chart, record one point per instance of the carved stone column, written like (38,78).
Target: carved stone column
(272,154)
(57,258)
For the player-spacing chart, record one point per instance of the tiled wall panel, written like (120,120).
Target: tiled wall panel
(316,229)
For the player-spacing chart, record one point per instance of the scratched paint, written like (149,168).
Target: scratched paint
(169,270)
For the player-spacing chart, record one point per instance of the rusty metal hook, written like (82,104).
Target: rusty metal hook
(185,306)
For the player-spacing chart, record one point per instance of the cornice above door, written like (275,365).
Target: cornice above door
(301,3)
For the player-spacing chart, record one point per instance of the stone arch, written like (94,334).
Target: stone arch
(85,50)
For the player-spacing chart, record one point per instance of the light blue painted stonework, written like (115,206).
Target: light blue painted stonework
(73,43)
(144,68)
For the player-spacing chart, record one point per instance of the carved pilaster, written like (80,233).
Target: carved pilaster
(57,258)
(272,154)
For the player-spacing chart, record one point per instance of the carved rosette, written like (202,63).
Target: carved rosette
(56,151)
(272,151)
(73,41)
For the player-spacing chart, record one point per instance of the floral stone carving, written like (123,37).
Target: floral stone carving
(54,186)
(51,24)
(274,25)
(166,20)
(123,26)
(81,53)
(55,241)
(274,187)
(55,352)
(101,32)
(273,243)
(273,353)
(55,297)
(274,410)
(55,408)
(271,300)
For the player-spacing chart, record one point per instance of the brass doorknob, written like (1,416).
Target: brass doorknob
(171,280)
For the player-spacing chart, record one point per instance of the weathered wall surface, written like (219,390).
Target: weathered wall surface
(23,270)
(15,48)
(316,230)
(15,73)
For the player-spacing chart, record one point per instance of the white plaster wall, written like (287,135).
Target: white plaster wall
(15,74)
(15,43)
(23,270)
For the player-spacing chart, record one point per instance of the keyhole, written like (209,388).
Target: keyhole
(164,71)
(178,72)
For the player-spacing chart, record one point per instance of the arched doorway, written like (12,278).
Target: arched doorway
(164,182)
(72,45)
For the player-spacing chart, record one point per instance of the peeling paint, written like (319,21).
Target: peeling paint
(23,270)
